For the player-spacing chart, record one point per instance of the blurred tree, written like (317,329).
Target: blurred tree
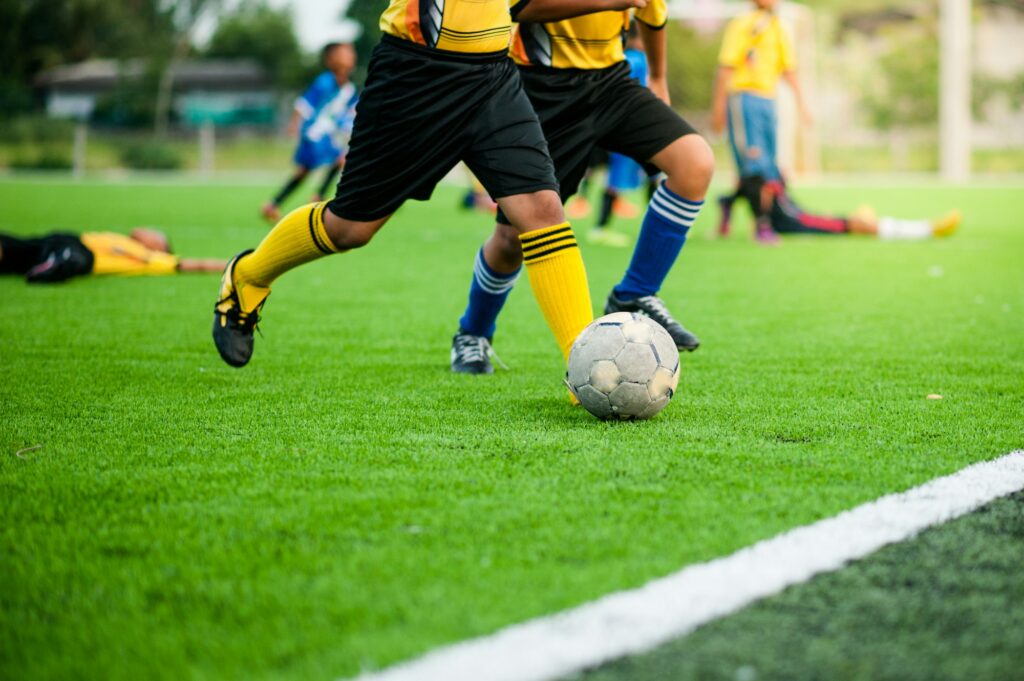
(184,15)
(367,14)
(258,31)
(692,62)
(38,34)
(903,91)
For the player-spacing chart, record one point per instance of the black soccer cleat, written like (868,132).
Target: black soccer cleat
(233,322)
(471,354)
(655,308)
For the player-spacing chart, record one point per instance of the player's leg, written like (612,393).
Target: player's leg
(18,256)
(643,127)
(59,257)
(300,237)
(787,217)
(623,175)
(496,269)
(272,209)
(688,164)
(747,129)
(553,262)
(897,229)
(510,157)
(330,178)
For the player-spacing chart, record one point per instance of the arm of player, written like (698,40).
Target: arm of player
(201,265)
(720,98)
(801,102)
(293,124)
(656,46)
(537,11)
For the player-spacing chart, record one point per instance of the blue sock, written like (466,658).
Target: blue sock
(487,295)
(668,220)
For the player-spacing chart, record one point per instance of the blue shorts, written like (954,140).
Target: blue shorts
(311,154)
(624,174)
(752,134)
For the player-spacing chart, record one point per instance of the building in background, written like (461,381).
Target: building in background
(225,92)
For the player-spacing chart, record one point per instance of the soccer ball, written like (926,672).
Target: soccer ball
(623,366)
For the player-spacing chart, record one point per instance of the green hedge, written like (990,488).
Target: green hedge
(41,158)
(150,155)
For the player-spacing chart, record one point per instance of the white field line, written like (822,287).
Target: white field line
(636,621)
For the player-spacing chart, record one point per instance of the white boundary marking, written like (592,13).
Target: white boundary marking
(636,621)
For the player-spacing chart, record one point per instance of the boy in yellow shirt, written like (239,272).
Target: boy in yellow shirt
(756,52)
(59,256)
(577,77)
(441,89)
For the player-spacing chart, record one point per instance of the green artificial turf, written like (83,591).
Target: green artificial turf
(346,502)
(947,606)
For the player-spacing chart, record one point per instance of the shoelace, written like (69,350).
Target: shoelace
(247,320)
(475,349)
(655,308)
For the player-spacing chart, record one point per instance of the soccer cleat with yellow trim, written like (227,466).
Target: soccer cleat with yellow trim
(236,315)
(947,224)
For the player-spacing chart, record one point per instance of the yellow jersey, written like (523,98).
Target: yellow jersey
(759,50)
(118,254)
(593,41)
(469,26)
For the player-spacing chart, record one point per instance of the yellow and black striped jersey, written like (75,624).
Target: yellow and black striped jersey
(119,254)
(593,41)
(469,26)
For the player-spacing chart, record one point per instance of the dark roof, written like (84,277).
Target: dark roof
(191,74)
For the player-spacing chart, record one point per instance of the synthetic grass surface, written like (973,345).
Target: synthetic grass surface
(346,502)
(946,606)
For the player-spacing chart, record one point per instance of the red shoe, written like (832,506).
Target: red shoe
(271,213)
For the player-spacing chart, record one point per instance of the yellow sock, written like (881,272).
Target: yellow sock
(559,281)
(299,237)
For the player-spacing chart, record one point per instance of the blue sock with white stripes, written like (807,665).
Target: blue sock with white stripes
(668,220)
(487,295)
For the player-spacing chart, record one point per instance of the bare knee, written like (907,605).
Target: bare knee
(349,234)
(689,164)
(537,210)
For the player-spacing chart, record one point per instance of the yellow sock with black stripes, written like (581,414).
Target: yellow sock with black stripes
(299,237)
(559,281)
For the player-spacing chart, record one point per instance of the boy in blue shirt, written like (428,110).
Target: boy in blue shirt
(322,120)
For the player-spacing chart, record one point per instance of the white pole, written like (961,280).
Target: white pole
(78,150)
(955,90)
(207,146)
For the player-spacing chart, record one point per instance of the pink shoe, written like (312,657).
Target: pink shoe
(766,236)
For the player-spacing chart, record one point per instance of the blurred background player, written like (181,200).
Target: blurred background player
(756,52)
(322,120)
(786,216)
(576,75)
(59,256)
(624,174)
(476,197)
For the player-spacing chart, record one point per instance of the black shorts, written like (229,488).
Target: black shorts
(51,258)
(582,109)
(421,113)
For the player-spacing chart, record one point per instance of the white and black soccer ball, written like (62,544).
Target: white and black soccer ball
(624,366)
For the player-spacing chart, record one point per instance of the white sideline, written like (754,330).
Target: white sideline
(636,621)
